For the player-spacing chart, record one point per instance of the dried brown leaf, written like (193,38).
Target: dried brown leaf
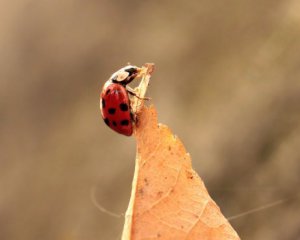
(169,200)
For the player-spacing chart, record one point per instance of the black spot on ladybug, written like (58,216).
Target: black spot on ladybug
(107,92)
(114,123)
(106,121)
(103,103)
(124,107)
(125,122)
(111,111)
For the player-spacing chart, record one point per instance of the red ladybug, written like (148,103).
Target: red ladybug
(115,103)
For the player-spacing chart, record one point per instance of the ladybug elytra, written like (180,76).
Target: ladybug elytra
(115,103)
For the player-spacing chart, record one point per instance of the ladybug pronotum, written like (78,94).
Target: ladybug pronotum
(115,105)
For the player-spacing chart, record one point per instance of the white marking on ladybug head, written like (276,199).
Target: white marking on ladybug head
(120,75)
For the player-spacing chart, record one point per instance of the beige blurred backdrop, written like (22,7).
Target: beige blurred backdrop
(227,82)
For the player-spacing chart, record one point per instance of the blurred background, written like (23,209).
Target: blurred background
(227,82)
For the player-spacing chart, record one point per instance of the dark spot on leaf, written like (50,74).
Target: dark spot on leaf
(189,175)
(125,122)
(124,107)
(146,181)
(111,110)
(169,148)
(141,191)
(158,235)
(106,121)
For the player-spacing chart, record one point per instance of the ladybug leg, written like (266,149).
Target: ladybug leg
(133,117)
(133,93)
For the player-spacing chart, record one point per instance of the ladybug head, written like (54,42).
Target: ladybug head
(125,75)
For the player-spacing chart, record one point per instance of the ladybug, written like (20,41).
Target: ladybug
(115,102)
